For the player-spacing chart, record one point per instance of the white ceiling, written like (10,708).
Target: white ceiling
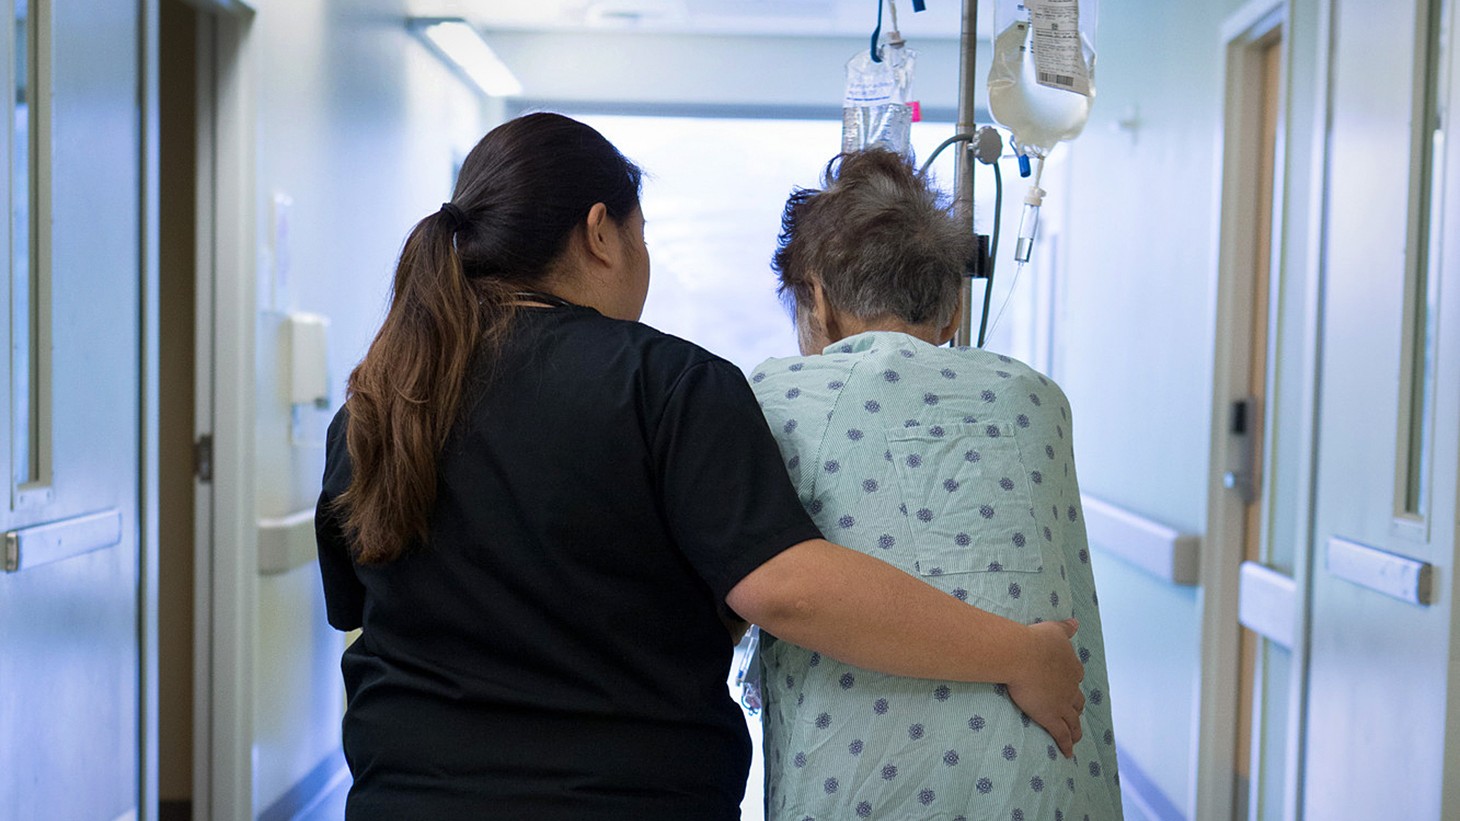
(818,18)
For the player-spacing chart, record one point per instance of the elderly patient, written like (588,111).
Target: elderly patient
(952,464)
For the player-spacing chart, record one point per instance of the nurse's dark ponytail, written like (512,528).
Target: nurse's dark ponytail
(521,192)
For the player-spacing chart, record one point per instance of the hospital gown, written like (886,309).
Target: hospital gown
(956,466)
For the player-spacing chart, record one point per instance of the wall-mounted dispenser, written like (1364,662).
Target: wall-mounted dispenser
(307,338)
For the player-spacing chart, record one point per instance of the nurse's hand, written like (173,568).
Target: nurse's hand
(1048,690)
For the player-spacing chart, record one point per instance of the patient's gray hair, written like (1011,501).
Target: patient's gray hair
(881,241)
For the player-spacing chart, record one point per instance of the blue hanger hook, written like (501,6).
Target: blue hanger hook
(877,34)
(918,5)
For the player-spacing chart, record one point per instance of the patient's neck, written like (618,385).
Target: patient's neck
(851,326)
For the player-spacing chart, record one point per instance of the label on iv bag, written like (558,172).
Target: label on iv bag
(870,85)
(1059,57)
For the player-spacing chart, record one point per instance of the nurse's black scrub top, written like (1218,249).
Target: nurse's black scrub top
(554,650)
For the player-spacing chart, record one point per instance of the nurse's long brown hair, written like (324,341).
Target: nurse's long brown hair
(521,192)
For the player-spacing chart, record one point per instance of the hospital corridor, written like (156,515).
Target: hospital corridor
(1224,238)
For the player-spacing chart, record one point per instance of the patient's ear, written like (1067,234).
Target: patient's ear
(821,312)
(951,328)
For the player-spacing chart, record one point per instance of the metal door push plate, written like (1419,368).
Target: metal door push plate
(32,546)
(1401,577)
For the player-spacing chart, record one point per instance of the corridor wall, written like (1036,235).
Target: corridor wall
(359,128)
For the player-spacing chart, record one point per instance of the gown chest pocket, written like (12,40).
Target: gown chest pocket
(969,510)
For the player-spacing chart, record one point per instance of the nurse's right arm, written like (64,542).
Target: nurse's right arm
(865,612)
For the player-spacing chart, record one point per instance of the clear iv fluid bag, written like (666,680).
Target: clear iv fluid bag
(877,108)
(888,125)
(1038,116)
(1042,81)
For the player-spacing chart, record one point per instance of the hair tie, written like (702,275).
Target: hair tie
(455,214)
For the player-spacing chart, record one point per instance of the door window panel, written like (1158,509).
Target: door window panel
(1417,370)
(29,250)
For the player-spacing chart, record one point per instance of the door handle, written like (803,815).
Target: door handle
(1409,580)
(1245,438)
(1267,603)
(36,545)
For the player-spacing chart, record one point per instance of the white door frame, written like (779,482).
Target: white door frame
(148,492)
(1447,375)
(1312,203)
(226,545)
(1211,797)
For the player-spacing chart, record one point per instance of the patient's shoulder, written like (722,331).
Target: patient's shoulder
(817,377)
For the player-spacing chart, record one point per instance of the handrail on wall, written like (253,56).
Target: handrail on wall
(286,542)
(1164,552)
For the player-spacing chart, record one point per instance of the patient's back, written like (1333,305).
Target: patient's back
(956,466)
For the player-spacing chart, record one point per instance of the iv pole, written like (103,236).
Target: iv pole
(963,160)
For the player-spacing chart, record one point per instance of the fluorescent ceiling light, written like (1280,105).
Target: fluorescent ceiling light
(631,13)
(463,47)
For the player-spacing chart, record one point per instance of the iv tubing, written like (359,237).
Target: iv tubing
(998,210)
(993,257)
(1017,271)
(956,138)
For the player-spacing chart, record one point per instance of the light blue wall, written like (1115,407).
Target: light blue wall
(1152,647)
(359,125)
(1135,347)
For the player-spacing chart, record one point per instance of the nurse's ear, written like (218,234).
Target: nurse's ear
(601,237)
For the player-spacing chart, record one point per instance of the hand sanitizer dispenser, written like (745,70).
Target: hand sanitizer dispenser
(308,360)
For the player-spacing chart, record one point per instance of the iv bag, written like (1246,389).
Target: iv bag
(1042,81)
(878,108)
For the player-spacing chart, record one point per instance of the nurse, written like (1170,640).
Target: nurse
(543,514)
(953,465)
